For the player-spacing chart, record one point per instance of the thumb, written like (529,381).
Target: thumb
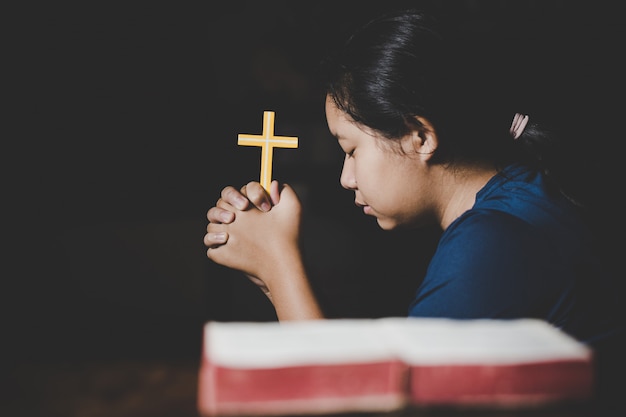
(289,197)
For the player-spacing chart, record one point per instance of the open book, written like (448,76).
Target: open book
(387,364)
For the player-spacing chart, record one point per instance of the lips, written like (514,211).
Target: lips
(366,209)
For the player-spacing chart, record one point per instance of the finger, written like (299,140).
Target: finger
(258,196)
(220,215)
(214,239)
(234,197)
(274,192)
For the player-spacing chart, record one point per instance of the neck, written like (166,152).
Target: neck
(459,194)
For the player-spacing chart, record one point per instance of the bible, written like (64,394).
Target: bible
(387,364)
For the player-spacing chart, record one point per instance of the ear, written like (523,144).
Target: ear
(423,139)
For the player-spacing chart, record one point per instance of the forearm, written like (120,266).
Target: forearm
(291,292)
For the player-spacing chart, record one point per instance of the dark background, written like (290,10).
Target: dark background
(125,119)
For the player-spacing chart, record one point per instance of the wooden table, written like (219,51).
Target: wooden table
(120,388)
(165,388)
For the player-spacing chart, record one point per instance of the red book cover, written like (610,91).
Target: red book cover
(499,363)
(379,365)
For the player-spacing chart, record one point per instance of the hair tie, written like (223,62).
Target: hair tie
(519,124)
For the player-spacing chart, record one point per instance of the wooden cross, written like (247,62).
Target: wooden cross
(267,141)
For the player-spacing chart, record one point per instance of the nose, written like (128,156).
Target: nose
(347,179)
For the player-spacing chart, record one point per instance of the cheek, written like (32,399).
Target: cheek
(377,183)
(369,177)
(381,169)
(388,187)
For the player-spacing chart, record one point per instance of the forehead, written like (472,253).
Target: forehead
(336,118)
(332,111)
(343,127)
(340,123)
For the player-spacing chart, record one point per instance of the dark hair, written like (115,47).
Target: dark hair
(406,64)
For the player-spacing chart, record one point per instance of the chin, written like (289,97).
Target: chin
(386,224)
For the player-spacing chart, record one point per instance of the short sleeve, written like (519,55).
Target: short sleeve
(488,264)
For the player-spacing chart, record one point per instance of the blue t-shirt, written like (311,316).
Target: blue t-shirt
(520,251)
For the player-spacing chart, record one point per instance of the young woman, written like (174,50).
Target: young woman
(429,137)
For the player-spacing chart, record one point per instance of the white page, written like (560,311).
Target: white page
(413,340)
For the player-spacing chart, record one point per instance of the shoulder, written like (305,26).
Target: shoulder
(517,189)
(485,245)
(522,198)
(488,264)
(487,226)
